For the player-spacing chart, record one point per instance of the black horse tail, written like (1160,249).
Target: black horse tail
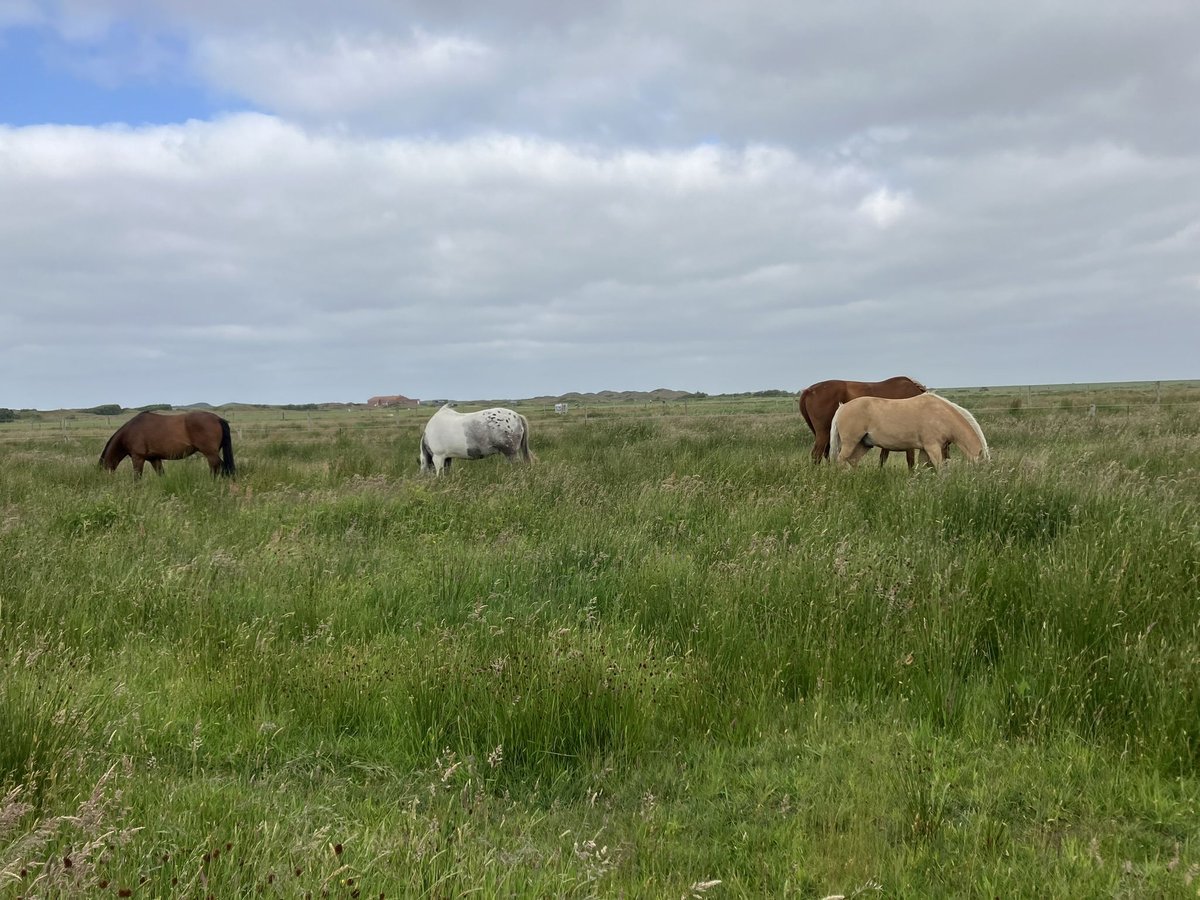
(227,466)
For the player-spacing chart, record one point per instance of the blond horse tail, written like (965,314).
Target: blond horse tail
(526,453)
(835,437)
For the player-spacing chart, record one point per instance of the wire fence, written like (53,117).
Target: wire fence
(1083,407)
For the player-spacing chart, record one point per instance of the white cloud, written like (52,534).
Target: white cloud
(341,76)
(884,208)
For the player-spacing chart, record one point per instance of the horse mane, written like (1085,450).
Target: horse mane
(907,378)
(970,420)
(108,443)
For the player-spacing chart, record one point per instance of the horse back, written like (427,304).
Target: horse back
(921,413)
(152,434)
(203,428)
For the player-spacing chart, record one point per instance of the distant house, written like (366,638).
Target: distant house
(396,400)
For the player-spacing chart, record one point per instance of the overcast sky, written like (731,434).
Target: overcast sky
(288,201)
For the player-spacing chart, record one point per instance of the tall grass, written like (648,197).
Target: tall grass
(671,653)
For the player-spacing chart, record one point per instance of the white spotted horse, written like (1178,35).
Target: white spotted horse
(451,435)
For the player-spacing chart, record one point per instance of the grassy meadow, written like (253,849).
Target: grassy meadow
(672,659)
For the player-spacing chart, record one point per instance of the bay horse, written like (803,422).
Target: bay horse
(818,402)
(928,423)
(152,437)
(451,435)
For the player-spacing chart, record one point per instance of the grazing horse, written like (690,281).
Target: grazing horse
(818,403)
(453,435)
(151,437)
(928,423)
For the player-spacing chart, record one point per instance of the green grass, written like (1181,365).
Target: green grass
(673,652)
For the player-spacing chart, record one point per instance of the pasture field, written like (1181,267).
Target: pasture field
(673,659)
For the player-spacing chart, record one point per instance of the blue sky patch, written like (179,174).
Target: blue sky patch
(129,77)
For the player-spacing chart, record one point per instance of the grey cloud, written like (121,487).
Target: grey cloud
(954,74)
(630,196)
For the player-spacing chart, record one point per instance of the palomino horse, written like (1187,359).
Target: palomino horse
(452,435)
(150,437)
(928,423)
(820,401)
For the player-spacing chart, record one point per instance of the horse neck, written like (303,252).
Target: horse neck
(895,388)
(966,438)
(114,451)
(967,433)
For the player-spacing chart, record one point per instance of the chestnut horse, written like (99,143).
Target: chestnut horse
(928,423)
(818,403)
(151,437)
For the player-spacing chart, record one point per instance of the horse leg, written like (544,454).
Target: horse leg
(214,463)
(883,455)
(908,455)
(820,447)
(934,453)
(158,466)
(139,462)
(858,452)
